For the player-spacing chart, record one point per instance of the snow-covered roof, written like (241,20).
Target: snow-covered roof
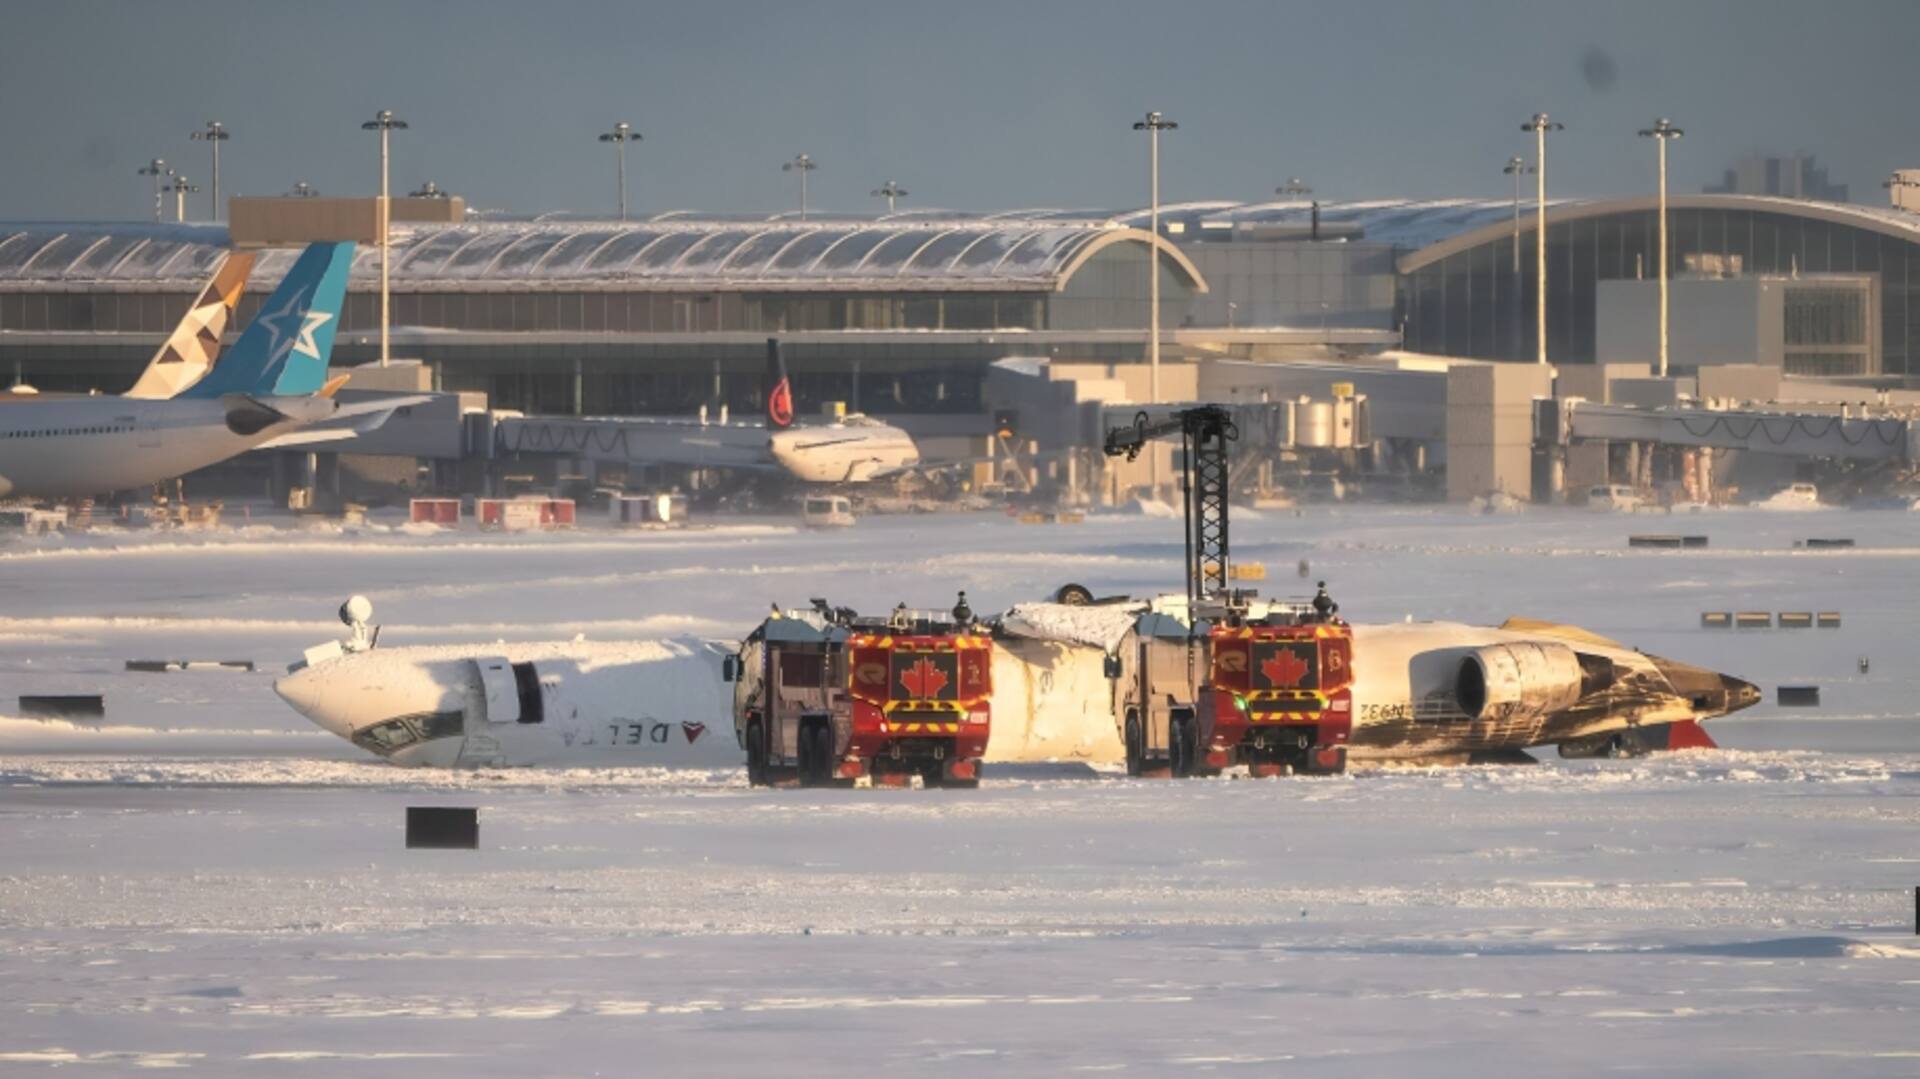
(903,254)
(1015,250)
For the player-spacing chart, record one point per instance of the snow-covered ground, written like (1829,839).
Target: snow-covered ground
(203,881)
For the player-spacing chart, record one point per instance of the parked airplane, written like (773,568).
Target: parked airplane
(855,449)
(663,702)
(270,386)
(194,347)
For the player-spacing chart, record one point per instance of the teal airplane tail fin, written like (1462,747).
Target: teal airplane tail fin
(284,350)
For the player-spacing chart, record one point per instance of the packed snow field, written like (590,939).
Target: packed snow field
(201,880)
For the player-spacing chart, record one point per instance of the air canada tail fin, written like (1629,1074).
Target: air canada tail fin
(779,390)
(284,350)
(195,345)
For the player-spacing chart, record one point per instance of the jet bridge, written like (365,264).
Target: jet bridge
(1796,434)
(624,439)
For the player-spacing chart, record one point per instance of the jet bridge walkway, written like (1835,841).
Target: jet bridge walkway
(1798,434)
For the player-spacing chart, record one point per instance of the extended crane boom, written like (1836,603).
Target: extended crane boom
(1205,431)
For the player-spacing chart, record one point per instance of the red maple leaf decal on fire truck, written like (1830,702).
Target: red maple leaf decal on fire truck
(1285,668)
(923,679)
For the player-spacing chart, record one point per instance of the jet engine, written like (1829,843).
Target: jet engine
(1524,680)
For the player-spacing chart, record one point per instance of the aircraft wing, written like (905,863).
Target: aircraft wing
(347,421)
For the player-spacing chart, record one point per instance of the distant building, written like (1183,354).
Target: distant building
(1795,176)
(1903,189)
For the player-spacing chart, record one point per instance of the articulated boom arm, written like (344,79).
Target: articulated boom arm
(1205,431)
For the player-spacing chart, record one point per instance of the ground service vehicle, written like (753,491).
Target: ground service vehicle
(1227,679)
(823,697)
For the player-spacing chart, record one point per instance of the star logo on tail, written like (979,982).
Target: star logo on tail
(305,345)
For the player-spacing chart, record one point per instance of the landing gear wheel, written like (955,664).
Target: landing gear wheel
(1136,747)
(1626,746)
(1073,595)
(756,754)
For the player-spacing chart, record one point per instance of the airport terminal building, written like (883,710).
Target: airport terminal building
(902,316)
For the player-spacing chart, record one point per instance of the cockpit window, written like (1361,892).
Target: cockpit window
(394,735)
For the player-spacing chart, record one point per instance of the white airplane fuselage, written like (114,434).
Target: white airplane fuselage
(856,451)
(664,702)
(62,447)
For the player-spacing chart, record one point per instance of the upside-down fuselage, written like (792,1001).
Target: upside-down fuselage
(663,702)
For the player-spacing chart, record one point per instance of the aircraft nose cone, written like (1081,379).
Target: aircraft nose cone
(304,690)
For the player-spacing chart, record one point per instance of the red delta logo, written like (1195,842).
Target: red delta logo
(923,679)
(780,405)
(1285,668)
(693,731)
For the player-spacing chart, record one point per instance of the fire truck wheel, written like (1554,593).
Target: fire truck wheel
(1180,745)
(1136,750)
(756,754)
(931,775)
(816,753)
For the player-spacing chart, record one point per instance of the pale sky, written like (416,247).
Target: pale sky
(982,104)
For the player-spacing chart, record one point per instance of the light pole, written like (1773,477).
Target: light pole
(622,134)
(180,188)
(304,190)
(1662,131)
(1153,125)
(1540,125)
(156,169)
(428,190)
(890,191)
(215,133)
(386,124)
(1516,168)
(801,164)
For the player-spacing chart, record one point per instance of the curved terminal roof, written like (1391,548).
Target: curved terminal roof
(1900,224)
(913,250)
(904,254)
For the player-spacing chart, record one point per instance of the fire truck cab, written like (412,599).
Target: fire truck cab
(1279,695)
(823,697)
(1263,684)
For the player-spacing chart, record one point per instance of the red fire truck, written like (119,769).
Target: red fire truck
(823,697)
(1228,680)
(1278,698)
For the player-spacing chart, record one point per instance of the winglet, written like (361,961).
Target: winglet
(333,385)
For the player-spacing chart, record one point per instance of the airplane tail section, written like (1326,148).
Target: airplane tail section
(195,345)
(284,351)
(779,389)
